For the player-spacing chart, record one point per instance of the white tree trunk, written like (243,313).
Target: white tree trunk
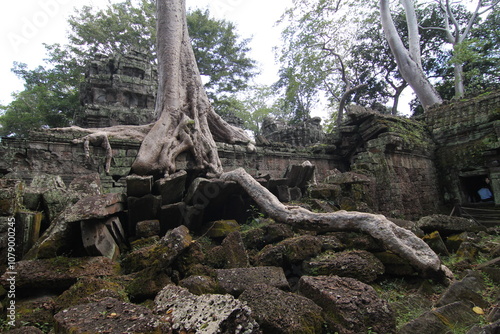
(410,68)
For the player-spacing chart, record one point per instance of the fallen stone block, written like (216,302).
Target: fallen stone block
(468,289)
(147,228)
(448,224)
(59,273)
(61,236)
(108,316)
(349,305)
(442,319)
(142,208)
(138,186)
(204,314)
(277,311)
(234,251)
(235,281)
(358,264)
(97,240)
(161,254)
(171,188)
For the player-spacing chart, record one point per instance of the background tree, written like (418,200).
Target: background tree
(457,29)
(116,29)
(409,58)
(479,54)
(334,48)
(455,23)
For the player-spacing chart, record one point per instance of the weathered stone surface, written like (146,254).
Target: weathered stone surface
(97,240)
(146,283)
(200,285)
(283,193)
(292,250)
(361,265)
(277,311)
(259,237)
(442,319)
(492,269)
(349,305)
(116,229)
(435,242)
(300,175)
(161,254)
(395,265)
(221,228)
(174,215)
(204,314)
(356,240)
(108,316)
(172,187)
(234,251)
(147,228)
(235,281)
(304,134)
(27,226)
(142,208)
(86,185)
(118,90)
(35,310)
(60,273)
(62,234)
(138,186)
(468,289)
(89,290)
(448,224)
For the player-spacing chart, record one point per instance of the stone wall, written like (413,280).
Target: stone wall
(397,154)
(467,136)
(21,159)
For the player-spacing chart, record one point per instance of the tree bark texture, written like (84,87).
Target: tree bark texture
(409,67)
(396,239)
(186,120)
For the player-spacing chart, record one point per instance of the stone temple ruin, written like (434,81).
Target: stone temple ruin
(403,168)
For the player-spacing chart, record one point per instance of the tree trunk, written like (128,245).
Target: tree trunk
(459,81)
(396,239)
(409,68)
(187,121)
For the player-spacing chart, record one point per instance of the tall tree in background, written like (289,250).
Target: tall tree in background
(455,22)
(409,59)
(458,30)
(115,29)
(334,48)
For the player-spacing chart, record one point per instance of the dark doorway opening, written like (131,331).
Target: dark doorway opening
(470,186)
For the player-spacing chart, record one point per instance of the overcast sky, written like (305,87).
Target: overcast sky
(26,24)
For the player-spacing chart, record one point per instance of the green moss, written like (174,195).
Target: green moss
(80,291)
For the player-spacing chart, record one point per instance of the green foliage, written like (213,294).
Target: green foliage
(50,96)
(220,54)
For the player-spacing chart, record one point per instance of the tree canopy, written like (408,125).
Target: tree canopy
(221,55)
(336,49)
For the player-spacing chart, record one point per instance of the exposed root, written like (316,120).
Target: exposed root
(394,238)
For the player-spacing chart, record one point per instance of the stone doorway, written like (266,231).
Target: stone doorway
(470,185)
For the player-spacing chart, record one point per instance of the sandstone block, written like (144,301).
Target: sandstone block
(235,281)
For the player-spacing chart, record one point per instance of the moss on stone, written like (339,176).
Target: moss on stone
(82,291)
